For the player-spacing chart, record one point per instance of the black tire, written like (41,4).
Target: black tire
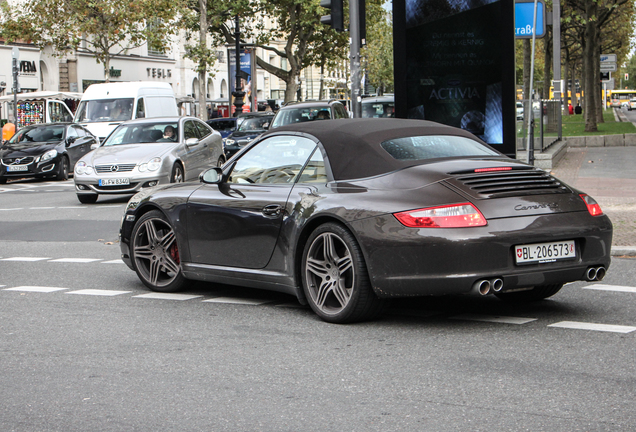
(220,162)
(335,278)
(177,174)
(87,199)
(3,180)
(535,294)
(62,172)
(155,255)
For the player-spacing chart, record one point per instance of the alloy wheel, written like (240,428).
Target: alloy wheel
(155,253)
(330,273)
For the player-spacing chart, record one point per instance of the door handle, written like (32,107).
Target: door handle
(272,210)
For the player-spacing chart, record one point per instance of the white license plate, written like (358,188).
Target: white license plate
(114,182)
(545,252)
(13,168)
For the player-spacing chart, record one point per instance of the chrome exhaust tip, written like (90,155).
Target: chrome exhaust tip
(600,273)
(497,284)
(590,274)
(481,287)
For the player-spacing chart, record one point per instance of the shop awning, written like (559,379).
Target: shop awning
(42,95)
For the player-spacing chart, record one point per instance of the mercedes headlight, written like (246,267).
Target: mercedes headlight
(229,141)
(154,164)
(82,168)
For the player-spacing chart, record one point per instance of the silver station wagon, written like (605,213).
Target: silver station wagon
(145,153)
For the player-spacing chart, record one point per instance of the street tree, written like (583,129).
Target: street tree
(378,52)
(104,28)
(290,35)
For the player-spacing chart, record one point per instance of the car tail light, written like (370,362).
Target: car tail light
(592,205)
(451,216)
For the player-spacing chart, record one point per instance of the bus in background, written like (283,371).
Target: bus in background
(621,98)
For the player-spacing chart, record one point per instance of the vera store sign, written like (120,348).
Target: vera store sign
(28,68)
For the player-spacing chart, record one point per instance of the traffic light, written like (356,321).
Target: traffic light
(626,76)
(336,18)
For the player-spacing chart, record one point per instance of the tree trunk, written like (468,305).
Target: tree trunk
(547,63)
(568,87)
(589,58)
(598,87)
(322,82)
(203,43)
(527,64)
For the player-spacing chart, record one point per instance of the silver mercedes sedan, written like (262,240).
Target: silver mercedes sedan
(144,153)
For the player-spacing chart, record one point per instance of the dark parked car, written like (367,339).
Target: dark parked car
(224,126)
(250,127)
(346,214)
(45,150)
(301,112)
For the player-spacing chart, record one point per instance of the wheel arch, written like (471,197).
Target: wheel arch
(301,241)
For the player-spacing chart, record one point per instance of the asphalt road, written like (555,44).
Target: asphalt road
(85,346)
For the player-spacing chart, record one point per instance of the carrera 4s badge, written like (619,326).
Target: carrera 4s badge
(522,207)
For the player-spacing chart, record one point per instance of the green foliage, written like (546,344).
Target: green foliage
(378,52)
(101,27)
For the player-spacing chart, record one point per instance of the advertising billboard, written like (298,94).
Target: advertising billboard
(454,64)
(248,77)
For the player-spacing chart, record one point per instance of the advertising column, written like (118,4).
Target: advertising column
(455,65)
(248,77)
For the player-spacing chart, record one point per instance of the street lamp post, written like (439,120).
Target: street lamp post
(238,93)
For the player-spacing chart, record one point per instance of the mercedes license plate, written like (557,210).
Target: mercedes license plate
(114,182)
(13,168)
(545,252)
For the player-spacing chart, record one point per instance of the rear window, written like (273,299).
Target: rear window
(435,146)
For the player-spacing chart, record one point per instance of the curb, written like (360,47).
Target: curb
(623,251)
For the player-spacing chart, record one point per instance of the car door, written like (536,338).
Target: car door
(79,145)
(210,152)
(237,223)
(193,154)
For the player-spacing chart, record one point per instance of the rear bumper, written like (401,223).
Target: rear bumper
(414,262)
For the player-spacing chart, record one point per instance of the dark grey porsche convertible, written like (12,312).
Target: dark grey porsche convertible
(345,214)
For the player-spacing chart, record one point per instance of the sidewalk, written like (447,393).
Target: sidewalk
(608,174)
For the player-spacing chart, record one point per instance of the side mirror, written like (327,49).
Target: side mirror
(70,140)
(211,176)
(94,146)
(265,126)
(191,142)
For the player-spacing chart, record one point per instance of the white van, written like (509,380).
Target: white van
(104,106)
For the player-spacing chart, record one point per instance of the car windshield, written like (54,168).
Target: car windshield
(435,146)
(39,134)
(104,110)
(254,124)
(300,115)
(378,109)
(223,125)
(143,133)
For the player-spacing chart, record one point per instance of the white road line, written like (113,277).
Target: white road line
(115,261)
(617,288)
(35,289)
(167,296)
(493,318)
(11,209)
(75,260)
(41,208)
(73,207)
(595,327)
(98,292)
(241,301)
(25,259)
(110,206)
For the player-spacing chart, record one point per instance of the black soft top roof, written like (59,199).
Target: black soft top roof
(353,145)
